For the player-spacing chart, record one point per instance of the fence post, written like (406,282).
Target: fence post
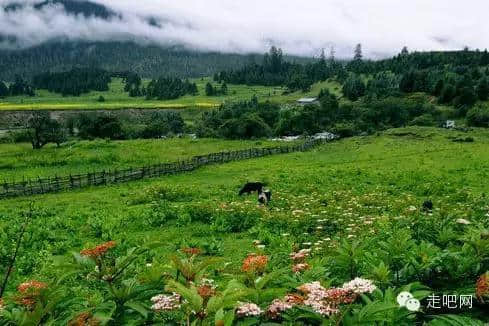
(40,184)
(5,186)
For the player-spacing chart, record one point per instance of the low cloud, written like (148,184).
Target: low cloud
(299,27)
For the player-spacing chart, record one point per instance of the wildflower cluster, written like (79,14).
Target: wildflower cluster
(482,286)
(326,301)
(280,305)
(298,259)
(164,302)
(254,263)
(207,288)
(191,251)
(99,250)
(248,310)
(276,307)
(29,292)
(359,286)
(84,319)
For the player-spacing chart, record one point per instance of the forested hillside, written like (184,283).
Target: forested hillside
(146,60)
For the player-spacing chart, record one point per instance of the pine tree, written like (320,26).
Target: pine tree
(358,53)
(4,92)
(224,89)
(484,61)
(483,89)
(332,53)
(209,90)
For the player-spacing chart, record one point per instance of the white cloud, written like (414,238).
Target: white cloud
(299,27)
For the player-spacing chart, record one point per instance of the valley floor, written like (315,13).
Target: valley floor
(363,189)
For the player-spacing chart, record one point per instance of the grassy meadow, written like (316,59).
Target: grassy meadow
(19,161)
(356,203)
(116,98)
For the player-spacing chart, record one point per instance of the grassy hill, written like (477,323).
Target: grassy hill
(355,202)
(116,98)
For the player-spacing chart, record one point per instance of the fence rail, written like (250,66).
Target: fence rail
(74,181)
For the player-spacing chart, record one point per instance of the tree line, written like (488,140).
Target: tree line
(148,61)
(274,70)
(18,87)
(74,82)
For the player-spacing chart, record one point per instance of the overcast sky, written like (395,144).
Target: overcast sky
(300,27)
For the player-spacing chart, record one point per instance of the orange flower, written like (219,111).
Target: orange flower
(29,291)
(482,286)
(254,263)
(297,268)
(191,251)
(84,319)
(339,296)
(293,298)
(206,291)
(99,250)
(31,285)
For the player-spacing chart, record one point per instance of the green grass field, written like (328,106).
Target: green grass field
(364,192)
(19,160)
(115,98)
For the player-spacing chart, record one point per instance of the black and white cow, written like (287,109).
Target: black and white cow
(251,187)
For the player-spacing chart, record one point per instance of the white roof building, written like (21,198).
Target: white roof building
(307,100)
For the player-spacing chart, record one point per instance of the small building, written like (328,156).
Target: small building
(307,100)
(449,124)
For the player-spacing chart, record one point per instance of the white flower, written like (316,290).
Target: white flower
(277,307)
(316,295)
(248,310)
(359,286)
(163,302)
(463,221)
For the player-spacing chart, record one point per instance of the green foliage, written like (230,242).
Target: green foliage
(354,87)
(356,203)
(74,82)
(478,116)
(42,130)
(240,121)
(4,91)
(169,88)
(98,126)
(454,320)
(163,123)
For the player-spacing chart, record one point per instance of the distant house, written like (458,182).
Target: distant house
(307,100)
(449,124)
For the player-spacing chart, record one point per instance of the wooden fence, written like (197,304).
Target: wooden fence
(55,184)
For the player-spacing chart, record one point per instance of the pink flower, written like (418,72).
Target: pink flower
(248,310)
(165,302)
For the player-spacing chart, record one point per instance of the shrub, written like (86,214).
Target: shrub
(234,221)
(423,120)
(478,116)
